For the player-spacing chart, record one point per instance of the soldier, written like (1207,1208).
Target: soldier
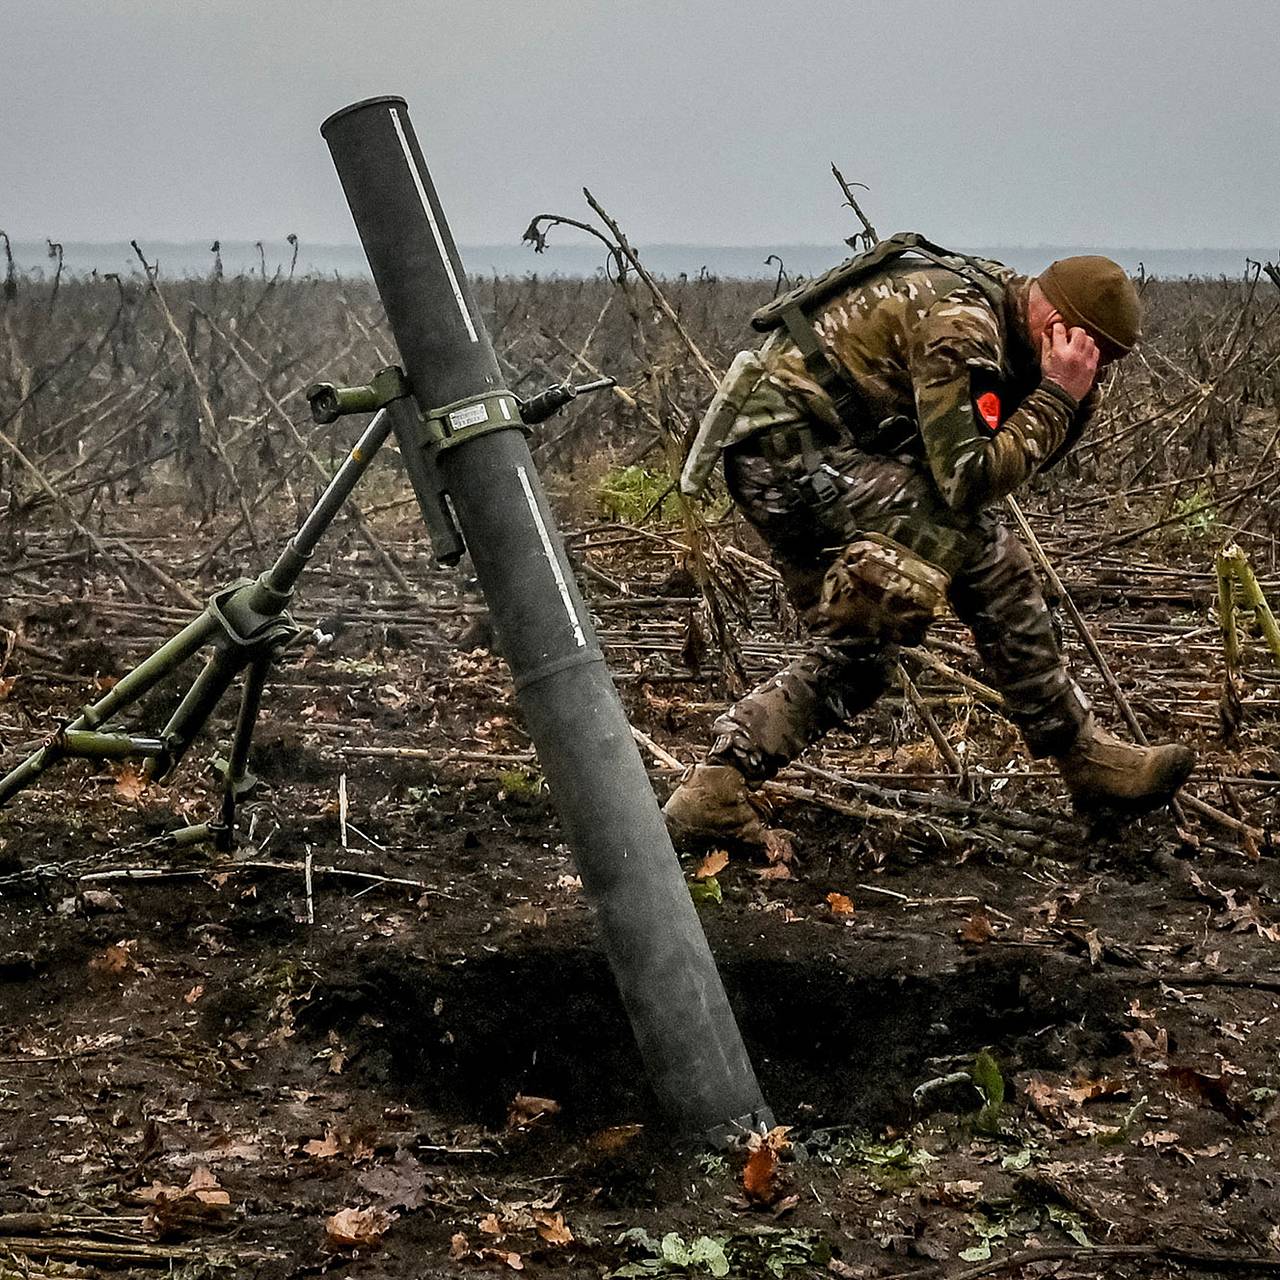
(901,398)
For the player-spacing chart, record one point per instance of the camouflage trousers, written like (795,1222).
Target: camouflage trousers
(993,589)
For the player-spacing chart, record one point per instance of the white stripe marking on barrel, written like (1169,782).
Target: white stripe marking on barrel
(550,552)
(435,226)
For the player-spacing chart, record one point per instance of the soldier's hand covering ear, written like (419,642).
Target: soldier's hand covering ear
(1069,358)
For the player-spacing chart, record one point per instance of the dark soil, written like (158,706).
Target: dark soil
(377,1045)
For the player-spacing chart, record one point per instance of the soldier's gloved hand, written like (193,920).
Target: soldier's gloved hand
(1070,358)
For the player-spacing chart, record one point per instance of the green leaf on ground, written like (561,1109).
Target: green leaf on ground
(989,1080)
(705,891)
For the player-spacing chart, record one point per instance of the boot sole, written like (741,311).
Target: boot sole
(690,840)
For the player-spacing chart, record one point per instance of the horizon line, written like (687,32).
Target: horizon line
(654,244)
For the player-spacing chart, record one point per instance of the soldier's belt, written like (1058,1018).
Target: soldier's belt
(942,547)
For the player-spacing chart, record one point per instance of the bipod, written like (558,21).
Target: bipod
(248,624)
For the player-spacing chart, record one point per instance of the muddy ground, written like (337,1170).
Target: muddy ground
(207,1060)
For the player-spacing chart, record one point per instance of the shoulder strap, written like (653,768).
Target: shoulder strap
(820,367)
(973,270)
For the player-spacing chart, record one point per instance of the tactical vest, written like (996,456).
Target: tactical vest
(793,311)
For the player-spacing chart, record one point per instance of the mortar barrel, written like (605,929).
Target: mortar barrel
(685,1028)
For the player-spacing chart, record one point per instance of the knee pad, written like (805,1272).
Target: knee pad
(881,589)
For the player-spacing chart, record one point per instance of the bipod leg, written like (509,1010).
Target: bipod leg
(81,739)
(197,706)
(239,782)
(254,627)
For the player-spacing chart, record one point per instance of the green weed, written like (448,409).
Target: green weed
(1196,515)
(366,667)
(635,494)
(765,1252)
(519,786)
(997,1224)
(989,1080)
(706,892)
(894,1163)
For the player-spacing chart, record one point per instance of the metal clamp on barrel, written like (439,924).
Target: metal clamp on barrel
(463,420)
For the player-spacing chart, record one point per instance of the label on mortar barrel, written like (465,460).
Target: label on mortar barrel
(468,416)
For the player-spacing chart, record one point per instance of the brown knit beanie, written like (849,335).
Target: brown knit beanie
(1095,294)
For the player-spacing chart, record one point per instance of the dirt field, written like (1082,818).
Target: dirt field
(380,1040)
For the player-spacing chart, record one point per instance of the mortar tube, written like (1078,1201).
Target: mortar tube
(687,1035)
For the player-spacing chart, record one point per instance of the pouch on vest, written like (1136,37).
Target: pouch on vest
(737,385)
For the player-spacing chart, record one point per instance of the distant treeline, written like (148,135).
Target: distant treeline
(196,258)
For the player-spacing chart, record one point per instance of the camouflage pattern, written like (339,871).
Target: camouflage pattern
(985,572)
(902,513)
(920,344)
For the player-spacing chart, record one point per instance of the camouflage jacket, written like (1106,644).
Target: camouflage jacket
(921,346)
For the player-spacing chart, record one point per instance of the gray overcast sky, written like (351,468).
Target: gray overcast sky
(710,121)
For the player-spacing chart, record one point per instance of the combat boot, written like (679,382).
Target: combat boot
(1101,772)
(712,804)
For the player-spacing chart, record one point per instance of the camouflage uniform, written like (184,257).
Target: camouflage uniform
(922,470)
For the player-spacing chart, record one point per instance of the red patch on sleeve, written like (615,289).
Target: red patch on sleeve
(989,407)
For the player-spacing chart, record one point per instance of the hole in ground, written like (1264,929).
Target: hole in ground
(836,1039)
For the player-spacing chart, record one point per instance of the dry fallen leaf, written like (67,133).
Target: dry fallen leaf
(615,1139)
(205,1187)
(1145,1047)
(1210,1089)
(777,846)
(336,1142)
(323,1148)
(357,1228)
(712,865)
(840,904)
(760,1177)
(130,784)
(1044,1097)
(956,1194)
(117,959)
(552,1228)
(1242,917)
(775,871)
(1086,1090)
(526,1109)
(202,1197)
(513,1260)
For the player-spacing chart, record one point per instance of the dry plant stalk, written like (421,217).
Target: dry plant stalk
(1236,577)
